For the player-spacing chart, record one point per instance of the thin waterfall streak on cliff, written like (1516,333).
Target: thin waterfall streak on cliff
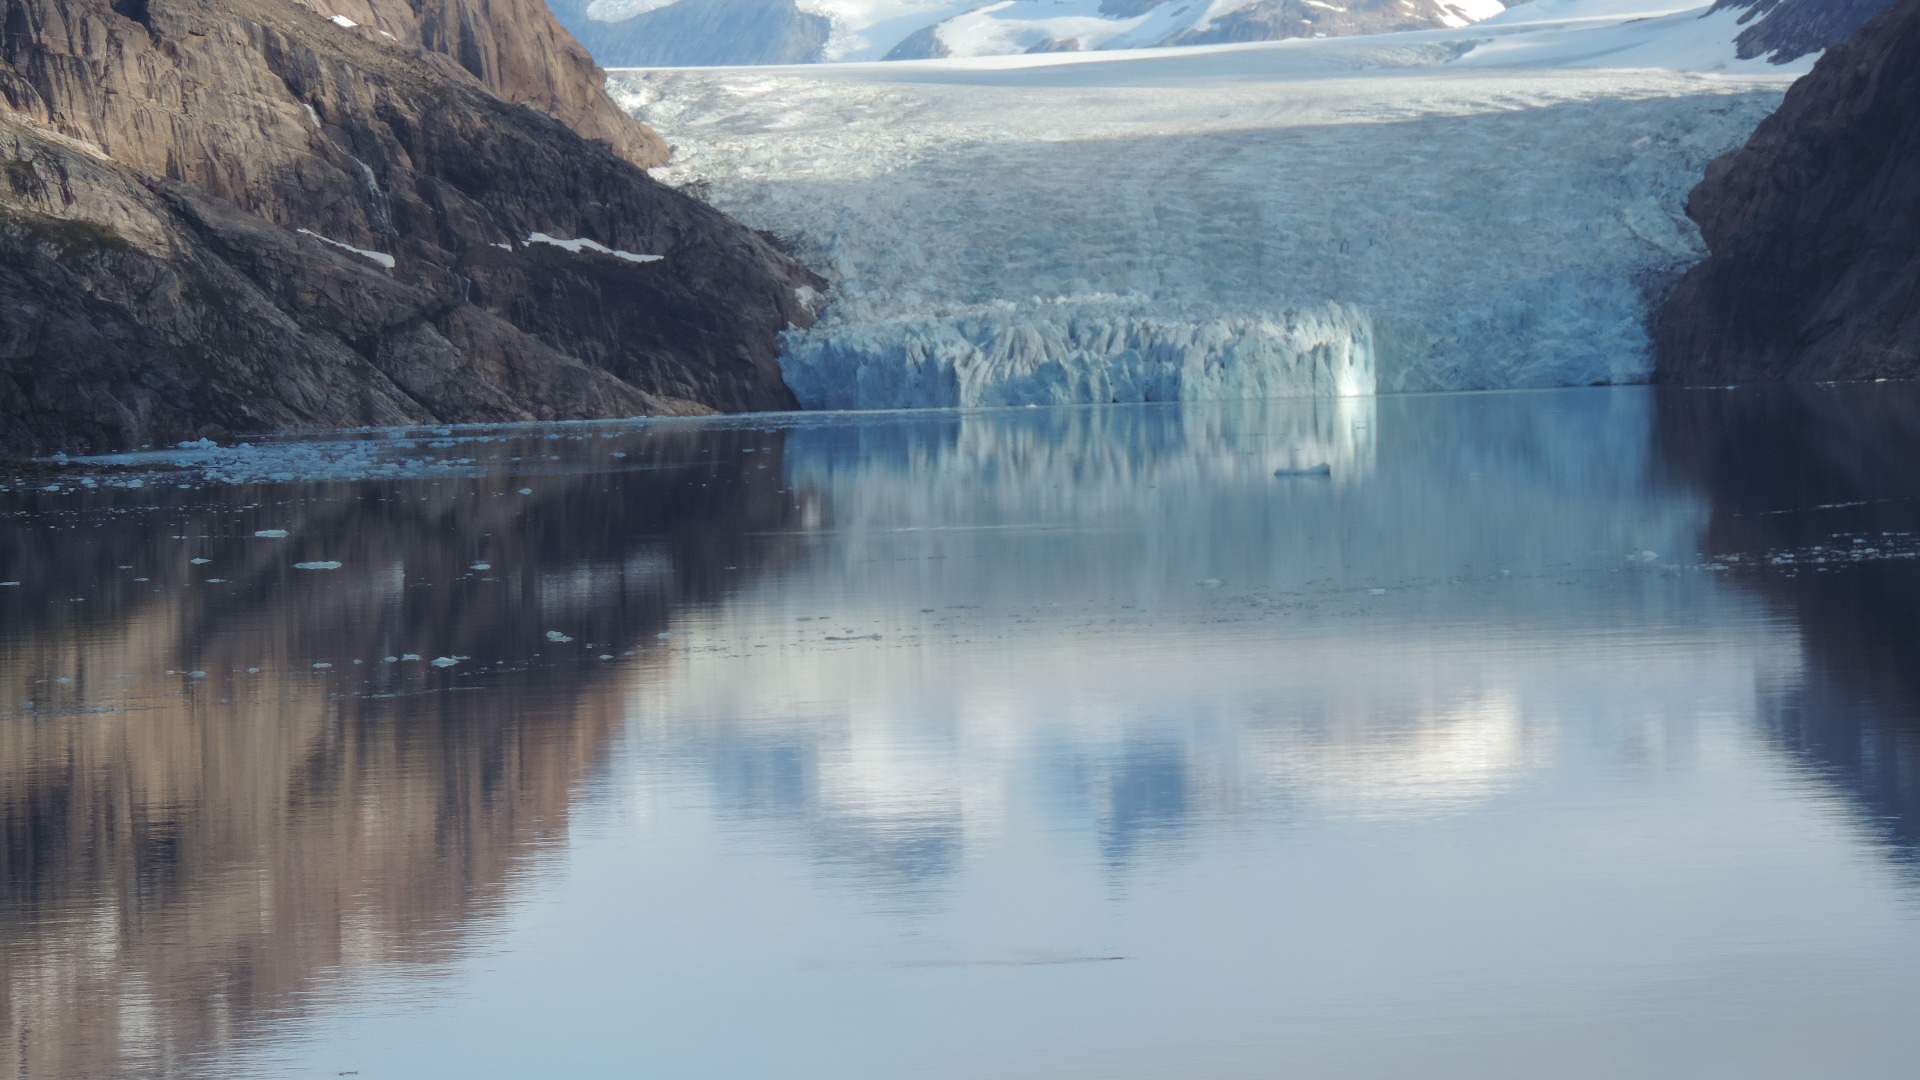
(382,207)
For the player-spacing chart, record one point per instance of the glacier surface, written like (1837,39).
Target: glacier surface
(1488,207)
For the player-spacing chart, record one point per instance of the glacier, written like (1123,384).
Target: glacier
(1487,207)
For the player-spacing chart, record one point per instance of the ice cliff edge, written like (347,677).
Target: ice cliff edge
(220,217)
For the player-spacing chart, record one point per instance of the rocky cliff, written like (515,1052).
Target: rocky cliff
(1813,229)
(1785,30)
(220,217)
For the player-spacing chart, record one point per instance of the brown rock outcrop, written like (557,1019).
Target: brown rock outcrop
(1813,229)
(517,49)
(231,216)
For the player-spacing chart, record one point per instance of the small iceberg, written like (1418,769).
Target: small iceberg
(1297,465)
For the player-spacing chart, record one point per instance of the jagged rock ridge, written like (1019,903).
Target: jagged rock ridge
(243,216)
(1786,30)
(1813,229)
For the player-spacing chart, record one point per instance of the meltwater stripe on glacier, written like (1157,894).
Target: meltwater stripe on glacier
(1066,354)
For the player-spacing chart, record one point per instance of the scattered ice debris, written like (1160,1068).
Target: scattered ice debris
(583,244)
(380,257)
(199,562)
(859,637)
(198,444)
(318,564)
(342,21)
(481,566)
(271,534)
(321,666)
(445,661)
(555,635)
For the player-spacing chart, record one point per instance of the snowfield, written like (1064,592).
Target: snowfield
(1486,207)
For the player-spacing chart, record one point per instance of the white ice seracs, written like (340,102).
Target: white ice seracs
(1309,217)
(1042,354)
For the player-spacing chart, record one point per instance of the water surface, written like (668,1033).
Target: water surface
(1558,734)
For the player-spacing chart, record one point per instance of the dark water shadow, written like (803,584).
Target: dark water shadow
(1816,491)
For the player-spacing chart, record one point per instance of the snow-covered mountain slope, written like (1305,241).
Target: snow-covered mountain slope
(1444,210)
(665,33)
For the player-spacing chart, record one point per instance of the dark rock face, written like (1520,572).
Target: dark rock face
(1813,229)
(693,33)
(236,217)
(1786,30)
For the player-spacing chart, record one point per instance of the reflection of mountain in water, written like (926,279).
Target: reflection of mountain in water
(184,859)
(1817,475)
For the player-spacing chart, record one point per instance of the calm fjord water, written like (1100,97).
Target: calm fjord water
(1565,734)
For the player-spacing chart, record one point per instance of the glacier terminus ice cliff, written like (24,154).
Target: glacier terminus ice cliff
(1496,205)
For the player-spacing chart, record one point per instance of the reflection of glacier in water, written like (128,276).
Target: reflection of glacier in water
(1133,598)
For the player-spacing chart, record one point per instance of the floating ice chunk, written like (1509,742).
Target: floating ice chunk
(664,634)
(481,566)
(342,21)
(389,659)
(606,656)
(199,562)
(216,581)
(526,491)
(324,564)
(1376,592)
(443,661)
(380,257)
(271,534)
(197,674)
(555,635)
(253,671)
(410,656)
(9,583)
(583,244)
(199,444)
(321,666)
(1210,583)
